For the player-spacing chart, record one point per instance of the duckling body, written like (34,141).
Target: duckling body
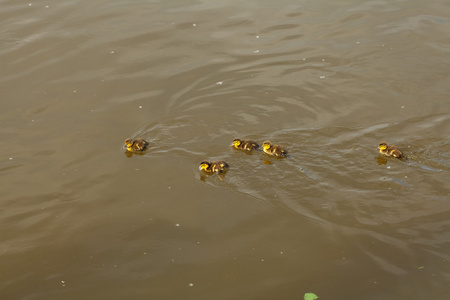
(219,166)
(137,145)
(274,150)
(392,151)
(247,145)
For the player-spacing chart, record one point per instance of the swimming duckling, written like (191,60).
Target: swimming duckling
(274,150)
(391,151)
(136,145)
(214,167)
(248,145)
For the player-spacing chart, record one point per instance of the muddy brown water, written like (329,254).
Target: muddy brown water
(329,80)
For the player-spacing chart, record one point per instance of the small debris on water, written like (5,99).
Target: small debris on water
(191,284)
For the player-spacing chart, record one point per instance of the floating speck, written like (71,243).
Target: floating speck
(47,6)
(140,106)
(257,36)
(74,91)
(322,77)
(10,158)
(63,283)
(388,167)
(191,284)
(178,224)
(403,106)
(281,252)
(219,82)
(323,59)
(29,4)
(262,259)
(256,51)
(111,52)
(358,43)
(194,24)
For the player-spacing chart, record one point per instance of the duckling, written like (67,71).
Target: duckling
(136,145)
(213,167)
(247,145)
(391,151)
(274,150)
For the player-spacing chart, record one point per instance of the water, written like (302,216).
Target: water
(328,80)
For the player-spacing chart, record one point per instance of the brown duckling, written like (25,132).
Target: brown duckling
(136,145)
(213,167)
(274,150)
(391,151)
(247,145)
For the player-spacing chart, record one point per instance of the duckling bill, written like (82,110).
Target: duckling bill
(137,145)
(247,145)
(391,151)
(219,166)
(274,150)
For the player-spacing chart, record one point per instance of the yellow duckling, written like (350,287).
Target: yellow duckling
(391,151)
(214,167)
(247,145)
(136,145)
(274,150)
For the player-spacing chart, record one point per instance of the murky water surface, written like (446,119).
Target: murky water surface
(329,80)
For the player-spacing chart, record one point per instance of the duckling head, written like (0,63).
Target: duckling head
(266,145)
(128,144)
(204,165)
(382,146)
(237,142)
